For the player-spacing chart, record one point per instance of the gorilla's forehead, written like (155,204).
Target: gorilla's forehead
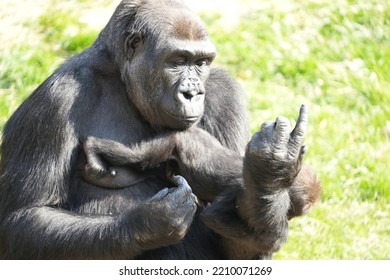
(187,27)
(201,47)
(173,19)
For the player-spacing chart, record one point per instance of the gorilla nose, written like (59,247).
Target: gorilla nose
(189,96)
(189,89)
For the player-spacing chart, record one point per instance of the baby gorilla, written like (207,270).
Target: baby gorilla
(172,149)
(113,165)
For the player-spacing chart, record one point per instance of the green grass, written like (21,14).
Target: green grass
(333,56)
(24,66)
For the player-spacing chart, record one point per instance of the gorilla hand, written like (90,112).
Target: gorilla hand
(274,155)
(272,161)
(164,219)
(95,167)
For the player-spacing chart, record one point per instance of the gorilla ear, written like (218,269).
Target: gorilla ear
(132,41)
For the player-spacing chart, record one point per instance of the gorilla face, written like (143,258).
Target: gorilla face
(185,69)
(167,71)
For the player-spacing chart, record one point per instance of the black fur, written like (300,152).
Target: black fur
(120,90)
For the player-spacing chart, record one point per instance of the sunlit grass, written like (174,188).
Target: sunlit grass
(333,56)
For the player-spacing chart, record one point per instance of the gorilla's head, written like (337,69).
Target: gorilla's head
(165,58)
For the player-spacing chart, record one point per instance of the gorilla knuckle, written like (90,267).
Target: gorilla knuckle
(282,124)
(279,155)
(259,144)
(90,141)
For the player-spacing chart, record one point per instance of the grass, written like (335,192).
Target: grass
(333,56)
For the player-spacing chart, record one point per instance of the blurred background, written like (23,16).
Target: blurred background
(333,56)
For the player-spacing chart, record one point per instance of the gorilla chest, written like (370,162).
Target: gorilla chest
(90,199)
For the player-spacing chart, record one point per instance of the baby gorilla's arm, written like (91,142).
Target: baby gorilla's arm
(109,163)
(209,167)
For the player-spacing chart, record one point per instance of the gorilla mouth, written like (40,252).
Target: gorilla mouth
(181,121)
(184,118)
(190,119)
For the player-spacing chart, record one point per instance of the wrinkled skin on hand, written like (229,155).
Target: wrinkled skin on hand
(275,153)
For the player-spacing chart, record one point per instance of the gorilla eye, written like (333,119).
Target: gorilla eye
(202,62)
(179,62)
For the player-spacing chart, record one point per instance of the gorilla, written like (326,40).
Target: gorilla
(169,149)
(137,149)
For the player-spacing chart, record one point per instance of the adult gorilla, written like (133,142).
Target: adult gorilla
(147,75)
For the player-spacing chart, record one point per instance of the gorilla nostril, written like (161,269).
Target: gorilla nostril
(187,95)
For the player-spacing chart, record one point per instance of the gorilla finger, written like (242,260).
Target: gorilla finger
(298,134)
(260,142)
(302,152)
(180,196)
(89,143)
(181,184)
(161,194)
(183,206)
(282,128)
(197,202)
(267,125)
(185,210)
(281,136)
(301,126)
(190,213)
(189,199)
(193,209)
(171,190)
(267,131)
(179,181)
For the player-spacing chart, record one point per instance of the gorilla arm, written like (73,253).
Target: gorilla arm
(277,187)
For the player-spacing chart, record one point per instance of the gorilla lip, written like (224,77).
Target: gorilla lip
(185,119)
(190,118)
